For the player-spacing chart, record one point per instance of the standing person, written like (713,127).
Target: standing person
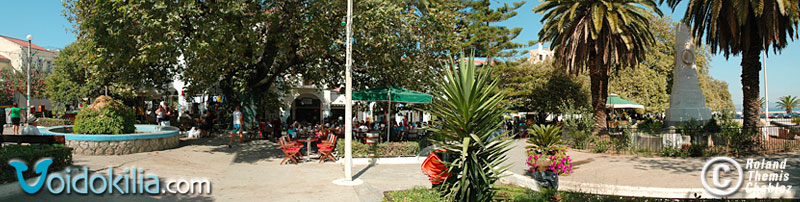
(16,115)
(163,113)
(276,127)
(237,126)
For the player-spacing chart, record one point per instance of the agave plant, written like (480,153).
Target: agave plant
(545,139)
(468,109)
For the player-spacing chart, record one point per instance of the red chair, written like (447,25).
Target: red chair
(434,168)
(292,153)
(326,150)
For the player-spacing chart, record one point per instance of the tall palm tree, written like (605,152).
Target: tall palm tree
(788,103)
(597,35)
(744,27)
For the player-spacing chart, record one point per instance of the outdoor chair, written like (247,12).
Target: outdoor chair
(292,153)
(326,151)
(328,142)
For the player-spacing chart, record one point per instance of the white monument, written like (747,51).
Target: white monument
(687,101)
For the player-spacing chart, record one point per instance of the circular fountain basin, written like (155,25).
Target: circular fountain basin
(147,138)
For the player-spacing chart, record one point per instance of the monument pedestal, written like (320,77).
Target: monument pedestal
(678,116)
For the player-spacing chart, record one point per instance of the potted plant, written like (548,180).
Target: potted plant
(546,159)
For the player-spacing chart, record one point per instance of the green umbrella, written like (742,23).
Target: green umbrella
(615,102)
(391,94)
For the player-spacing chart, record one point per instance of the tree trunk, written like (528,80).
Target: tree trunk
(599,86)
(751,66)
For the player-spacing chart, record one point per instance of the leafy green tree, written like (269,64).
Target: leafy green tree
(788,103)
(540,88)
(747,28)
(72,79)
(480,33)
(597,35)
(469,108)
(254,50)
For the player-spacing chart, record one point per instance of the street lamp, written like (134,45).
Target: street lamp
(348,107)
(30,59)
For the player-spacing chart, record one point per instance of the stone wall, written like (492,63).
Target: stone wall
(121,147)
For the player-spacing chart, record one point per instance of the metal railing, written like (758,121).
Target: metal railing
(758,140)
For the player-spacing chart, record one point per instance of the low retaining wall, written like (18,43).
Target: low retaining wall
(150,138)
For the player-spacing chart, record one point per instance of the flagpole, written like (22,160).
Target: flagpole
(766,92)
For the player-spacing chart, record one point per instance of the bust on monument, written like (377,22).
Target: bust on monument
(687,101)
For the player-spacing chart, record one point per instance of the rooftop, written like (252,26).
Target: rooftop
(24,43)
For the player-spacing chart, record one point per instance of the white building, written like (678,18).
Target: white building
(14,55)
(541,54)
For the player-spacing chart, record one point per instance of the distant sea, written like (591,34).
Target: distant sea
(771,110)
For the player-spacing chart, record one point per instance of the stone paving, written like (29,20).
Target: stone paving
(249,172)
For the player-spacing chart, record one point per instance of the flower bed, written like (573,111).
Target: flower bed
(560,163)
(389,149)
(62,157)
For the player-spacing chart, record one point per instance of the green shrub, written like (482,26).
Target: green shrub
(48,122)
(105,116)
(62,157)
(651,125)
(740,140)
(712,126)
(390,149)
(622,142)
(695,150)
(580,139)
(545,139)
(601,146)
(796,120)
(671,152)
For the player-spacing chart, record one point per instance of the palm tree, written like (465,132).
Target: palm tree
(596,35)
(788,103)
(745,27)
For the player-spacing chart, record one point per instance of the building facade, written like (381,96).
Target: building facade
(540,55)
(14,56)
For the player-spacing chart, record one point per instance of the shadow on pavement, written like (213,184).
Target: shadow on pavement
(251,151)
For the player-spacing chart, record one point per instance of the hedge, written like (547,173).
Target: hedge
(48,122)
(62,157)
(389,149)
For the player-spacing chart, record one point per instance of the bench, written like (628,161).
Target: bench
(32,139)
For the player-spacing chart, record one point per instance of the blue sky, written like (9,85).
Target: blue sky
(44,20)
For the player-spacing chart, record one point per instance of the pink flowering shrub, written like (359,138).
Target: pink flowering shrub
(560,162)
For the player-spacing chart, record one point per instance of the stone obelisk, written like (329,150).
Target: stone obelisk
(687,101)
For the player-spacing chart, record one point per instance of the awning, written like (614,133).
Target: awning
(339,101)
(393,94)
(615,102)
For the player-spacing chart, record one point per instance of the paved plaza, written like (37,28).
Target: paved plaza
(252,172)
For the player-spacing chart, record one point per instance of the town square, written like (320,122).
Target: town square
(375,100)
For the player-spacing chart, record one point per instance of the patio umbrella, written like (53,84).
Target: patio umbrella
(392,94)
(615,102)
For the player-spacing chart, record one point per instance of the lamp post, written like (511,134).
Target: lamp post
(348,107)
(30,59)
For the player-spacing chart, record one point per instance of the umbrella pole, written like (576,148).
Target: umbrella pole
(388,126)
